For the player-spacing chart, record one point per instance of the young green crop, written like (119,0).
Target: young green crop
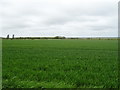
(60,64)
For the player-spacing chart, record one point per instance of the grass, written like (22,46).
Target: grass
(60,64)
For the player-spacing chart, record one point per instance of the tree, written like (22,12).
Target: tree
(13,36)
(8,36)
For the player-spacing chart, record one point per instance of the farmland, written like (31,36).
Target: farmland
(60,63)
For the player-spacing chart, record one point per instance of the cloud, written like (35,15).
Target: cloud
(59,17)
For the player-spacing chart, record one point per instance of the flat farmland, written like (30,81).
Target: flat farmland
(60,63)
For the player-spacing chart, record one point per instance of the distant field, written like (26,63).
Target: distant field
(60,63)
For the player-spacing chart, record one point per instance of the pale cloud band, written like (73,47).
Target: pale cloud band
(59,17)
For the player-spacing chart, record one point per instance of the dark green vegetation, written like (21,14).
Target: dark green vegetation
(60,64)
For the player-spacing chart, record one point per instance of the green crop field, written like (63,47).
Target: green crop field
(60,64)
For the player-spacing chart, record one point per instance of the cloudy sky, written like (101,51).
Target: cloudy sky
(79,18)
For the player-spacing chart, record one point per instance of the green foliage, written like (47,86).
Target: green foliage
(60,64)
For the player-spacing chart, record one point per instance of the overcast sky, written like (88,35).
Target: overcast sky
(80,18)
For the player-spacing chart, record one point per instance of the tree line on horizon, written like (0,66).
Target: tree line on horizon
(13,37)
(57,37)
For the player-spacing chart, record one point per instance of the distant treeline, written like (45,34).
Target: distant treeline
(60,37)
(57,37)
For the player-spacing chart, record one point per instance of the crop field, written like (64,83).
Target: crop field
(60,63)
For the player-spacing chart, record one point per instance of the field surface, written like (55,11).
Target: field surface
(60,63)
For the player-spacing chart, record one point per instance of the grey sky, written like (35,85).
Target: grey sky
(59,17)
